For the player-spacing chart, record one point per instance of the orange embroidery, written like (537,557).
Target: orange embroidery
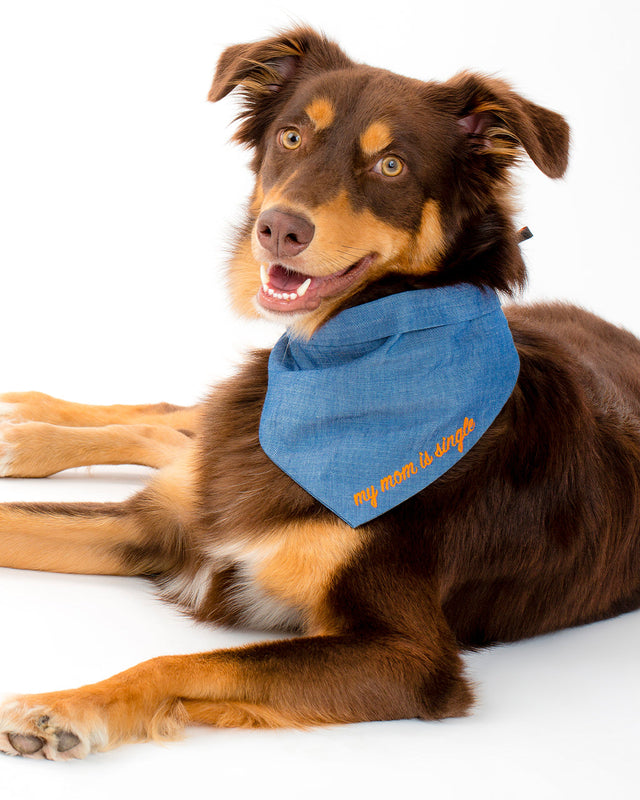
(456,440)
(398,477)
(370,495)
(425,460)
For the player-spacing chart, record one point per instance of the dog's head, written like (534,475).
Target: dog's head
(368,182)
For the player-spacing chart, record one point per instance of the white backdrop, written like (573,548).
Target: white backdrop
(118,188)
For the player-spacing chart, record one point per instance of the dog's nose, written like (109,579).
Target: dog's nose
(284,234)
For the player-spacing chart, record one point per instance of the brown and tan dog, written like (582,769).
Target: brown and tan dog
(367,183)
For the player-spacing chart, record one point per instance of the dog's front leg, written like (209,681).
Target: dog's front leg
(297,682)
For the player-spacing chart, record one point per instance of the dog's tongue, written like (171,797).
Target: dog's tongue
(284,280)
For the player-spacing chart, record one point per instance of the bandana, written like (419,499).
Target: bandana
(387,396)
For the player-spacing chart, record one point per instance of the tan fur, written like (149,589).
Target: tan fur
(38,449)
(154,700)
(247,715)
(95,542)
(173,487)
(376,138)
(244,280)
(62,543)
(321,112)
(278,194)
(429,244)
(343,235)
(257,198)
(139,704)
(39,407)
(298,562)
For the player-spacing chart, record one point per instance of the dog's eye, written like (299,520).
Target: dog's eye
(391,166)
(290,139)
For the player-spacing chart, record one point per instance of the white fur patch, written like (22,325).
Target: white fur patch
(262,611)
(187,590)
(8,411)
(259,610)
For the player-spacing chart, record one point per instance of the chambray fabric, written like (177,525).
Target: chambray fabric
(361,414)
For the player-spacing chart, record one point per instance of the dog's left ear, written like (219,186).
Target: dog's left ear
(497,122)
(267,71)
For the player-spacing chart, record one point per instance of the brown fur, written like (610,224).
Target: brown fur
(534,530)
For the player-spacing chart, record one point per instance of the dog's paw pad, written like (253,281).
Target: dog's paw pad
(32,733)
(25,745)
(67,741)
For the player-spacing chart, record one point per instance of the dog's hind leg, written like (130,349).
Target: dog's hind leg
(83,538)
(38,407)
(141,536)
(364,663)
(38,449)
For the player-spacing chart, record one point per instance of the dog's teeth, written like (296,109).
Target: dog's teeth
(270,291)
(264,277)
(278,295)
(302,290)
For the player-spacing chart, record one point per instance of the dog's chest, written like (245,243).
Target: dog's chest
(262,589)
(278,581)
(228,584)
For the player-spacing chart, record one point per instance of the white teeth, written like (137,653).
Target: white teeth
(287,296)
(280,295)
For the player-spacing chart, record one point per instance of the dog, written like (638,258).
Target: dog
(371,188)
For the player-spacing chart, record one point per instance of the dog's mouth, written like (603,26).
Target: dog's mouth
(285,290)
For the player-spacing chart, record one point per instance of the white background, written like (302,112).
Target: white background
(118,188)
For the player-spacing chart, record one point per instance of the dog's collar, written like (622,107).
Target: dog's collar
(387,396)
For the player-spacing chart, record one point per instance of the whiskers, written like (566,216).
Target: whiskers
(343,258)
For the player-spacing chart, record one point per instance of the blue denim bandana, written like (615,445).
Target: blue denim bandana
(387,396)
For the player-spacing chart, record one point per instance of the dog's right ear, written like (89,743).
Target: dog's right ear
(266,72)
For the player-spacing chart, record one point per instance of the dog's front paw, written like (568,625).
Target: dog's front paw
(8,411)
(30,407)
(6,449)
(35,730)
(30,449)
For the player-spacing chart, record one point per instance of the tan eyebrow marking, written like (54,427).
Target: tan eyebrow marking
(321,112)
(376,138)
